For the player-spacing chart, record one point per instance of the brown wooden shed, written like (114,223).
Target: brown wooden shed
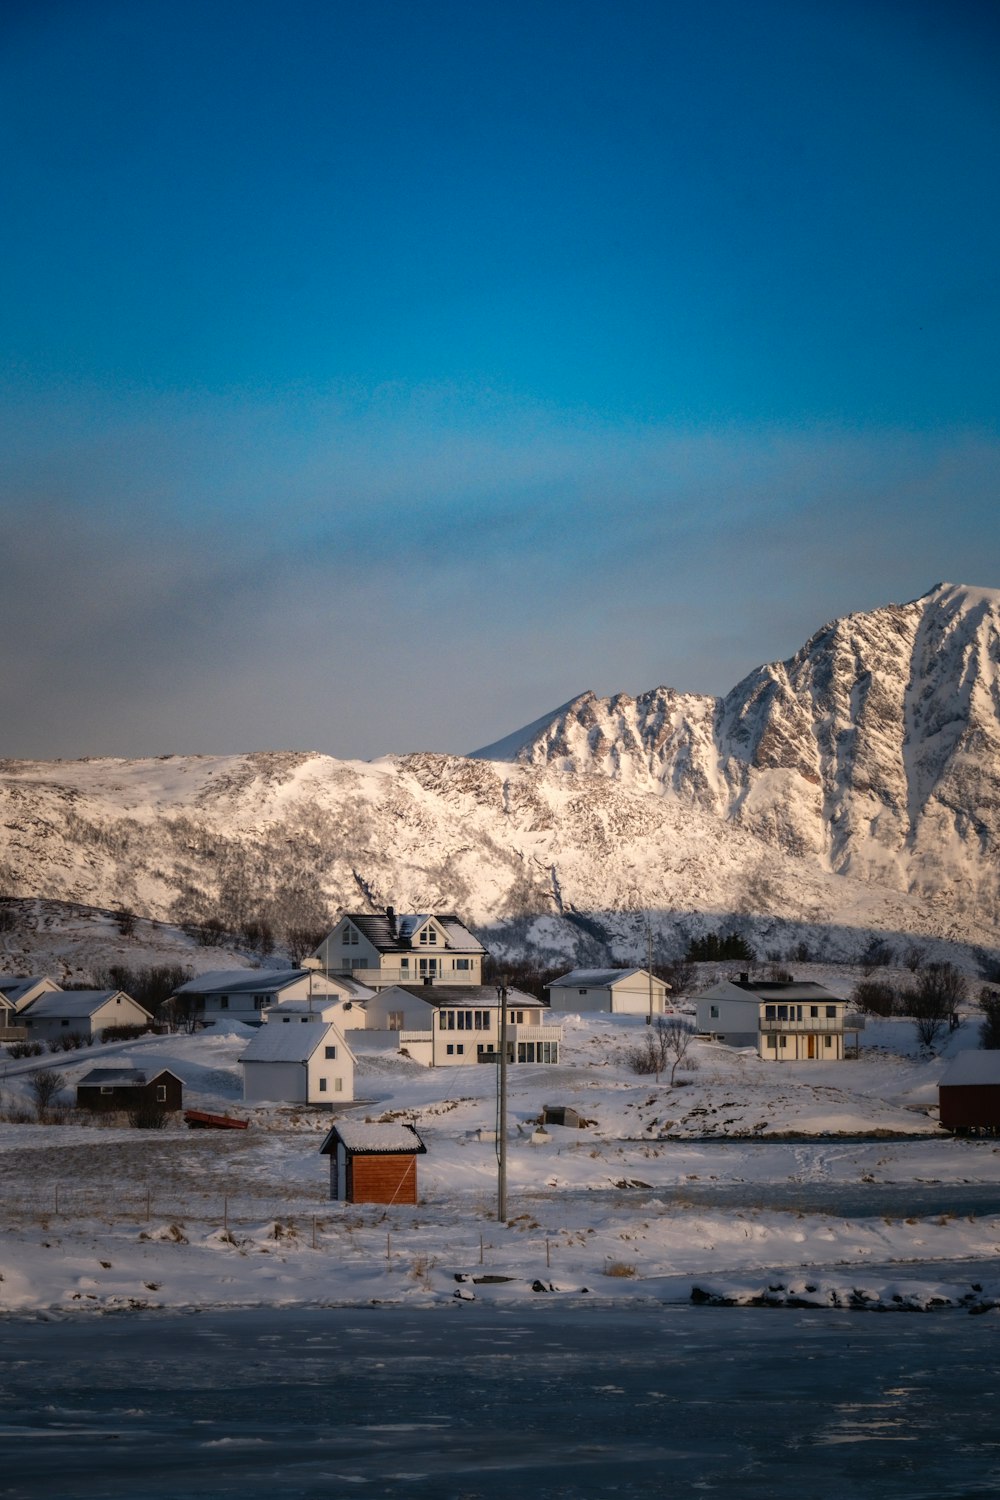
(969,1094)
(129,1088)
(373,1163)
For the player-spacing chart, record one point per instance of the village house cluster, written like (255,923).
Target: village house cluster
(418,978)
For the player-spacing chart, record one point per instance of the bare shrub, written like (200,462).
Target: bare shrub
(936,995)
(875,996)
(123,1033)
(44,1085)
(620,1268)
(663,1047)
(25,1049)
(147,1116)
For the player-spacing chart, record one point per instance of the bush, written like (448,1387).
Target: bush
(989,1004)
(44,1086)
(938,991)
(25,1049)
(662,1048)
(876,996)
(122,1033)
(147,1116)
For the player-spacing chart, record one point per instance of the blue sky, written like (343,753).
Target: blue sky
(378,376)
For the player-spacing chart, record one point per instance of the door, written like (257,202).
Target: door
(810,1046)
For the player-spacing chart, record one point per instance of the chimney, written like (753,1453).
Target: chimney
(390,912)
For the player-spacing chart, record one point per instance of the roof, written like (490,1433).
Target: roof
(242,981)
(972,1067)
(600,979)
(483,995)
(365,1138)
(134,1076)
(395,934)
(15,987)
(291,1043)
(75,1003)
(794,989)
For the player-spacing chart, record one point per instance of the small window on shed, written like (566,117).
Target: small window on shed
(106,1090)
(63,1023)
(582,992)
(118,999)
(713,1011)
(161,1093)
(223,1002)
(330,1052)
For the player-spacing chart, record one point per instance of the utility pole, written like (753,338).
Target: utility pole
(649,970)
(502,1107)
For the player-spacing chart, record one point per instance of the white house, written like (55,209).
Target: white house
(448,1025)
(298,1064)
(83,1013)
(397,949)
(785,1021)
(20,990)
(244,994)
(620,992)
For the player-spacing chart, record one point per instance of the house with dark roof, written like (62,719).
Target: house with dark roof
(619,992)
(83,1013)
(786,1021)
(447,1025)
(393,948)
(129,1088)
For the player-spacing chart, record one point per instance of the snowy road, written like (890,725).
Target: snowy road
(562,1403)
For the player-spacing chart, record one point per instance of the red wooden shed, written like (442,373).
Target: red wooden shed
(373,1163)
(969,1094)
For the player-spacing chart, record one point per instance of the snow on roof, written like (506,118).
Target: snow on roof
(390,934)
(362,1137)
(483,995)
(16,986)
(114,1075)
(74,1003)
(291,1043)
(242,981)
(597,978)
(971,1067)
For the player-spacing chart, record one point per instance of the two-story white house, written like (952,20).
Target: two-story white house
(448,1025)
(380,950)
(619,992)
(786,1021)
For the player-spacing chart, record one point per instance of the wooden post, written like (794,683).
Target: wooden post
(57,1197)
(314,1232)
(388,1249)
(149,1210)
(480,1249)
(548,1259)
(225,1212)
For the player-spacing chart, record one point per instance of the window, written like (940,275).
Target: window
(768,1012)
(396,1019)
(259,1002)
(331,1053)
(404,963)
(461,963)
(286,1019)
(548,1052)
(322,1085)
(338,1085)
(782,1041)
(460,1047)
(450,1049)
(106,1090)
(581,992)
(814,1010)
(428,966)
(772,1041)
(831,1012)
(518,1017)
(782,1012)
(350,937)
(428,935)
(482,1020)
(161,1093)
(63,1023)
(223,1002)
(828,1041)
(713,1011)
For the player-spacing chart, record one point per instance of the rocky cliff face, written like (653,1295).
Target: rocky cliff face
(874,750)
(850,790)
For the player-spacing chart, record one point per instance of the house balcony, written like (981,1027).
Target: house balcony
(13,1034)
(381,979)
(813,1024)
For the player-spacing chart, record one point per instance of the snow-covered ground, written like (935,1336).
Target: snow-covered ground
(664,1190)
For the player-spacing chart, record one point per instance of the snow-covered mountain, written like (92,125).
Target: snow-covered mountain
(851,789)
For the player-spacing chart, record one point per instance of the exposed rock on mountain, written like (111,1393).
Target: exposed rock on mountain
(853,789)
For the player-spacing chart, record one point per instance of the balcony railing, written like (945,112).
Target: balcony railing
(813,1023)
(13,1033)
(382,978)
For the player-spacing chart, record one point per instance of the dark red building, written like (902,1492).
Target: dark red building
(969,1094)
(129,1088)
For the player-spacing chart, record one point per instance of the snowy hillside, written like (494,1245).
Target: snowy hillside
(853,789)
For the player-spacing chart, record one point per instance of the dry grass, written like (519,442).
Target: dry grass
(620,1268)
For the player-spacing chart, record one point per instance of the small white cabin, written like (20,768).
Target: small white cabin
(618,992)
(298,1064)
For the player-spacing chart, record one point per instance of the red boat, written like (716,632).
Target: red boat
(199,1119)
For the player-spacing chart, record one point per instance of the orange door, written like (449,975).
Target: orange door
(810,1046)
